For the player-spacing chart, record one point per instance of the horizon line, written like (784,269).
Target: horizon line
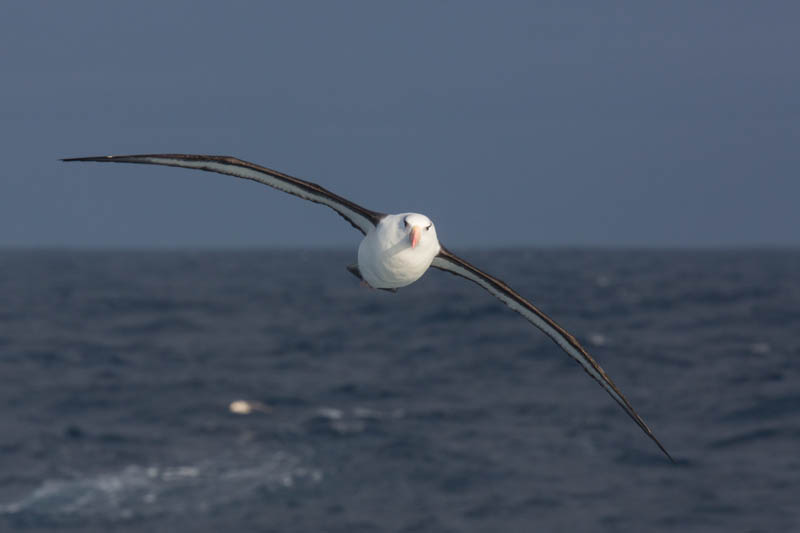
(344,248)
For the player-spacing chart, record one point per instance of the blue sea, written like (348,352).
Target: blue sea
(433,409)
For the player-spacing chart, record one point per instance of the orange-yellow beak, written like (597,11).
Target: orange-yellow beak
(416,232)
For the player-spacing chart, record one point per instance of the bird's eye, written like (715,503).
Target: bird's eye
(405,223)
(428,227)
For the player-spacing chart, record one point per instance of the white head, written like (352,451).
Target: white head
(420,231)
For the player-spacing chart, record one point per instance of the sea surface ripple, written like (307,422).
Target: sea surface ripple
(433,409)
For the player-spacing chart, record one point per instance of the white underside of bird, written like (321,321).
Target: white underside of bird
(398,251)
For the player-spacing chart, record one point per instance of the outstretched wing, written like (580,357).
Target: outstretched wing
(455,265)
(361,218)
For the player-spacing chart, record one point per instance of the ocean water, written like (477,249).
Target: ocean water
(433,409)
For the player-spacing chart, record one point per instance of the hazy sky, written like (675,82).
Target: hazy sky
(508,123)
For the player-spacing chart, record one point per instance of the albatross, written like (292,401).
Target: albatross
(397,249)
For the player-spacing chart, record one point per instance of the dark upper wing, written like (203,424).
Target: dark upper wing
(451,263)
(362,219)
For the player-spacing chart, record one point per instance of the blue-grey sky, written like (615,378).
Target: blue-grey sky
(508,123)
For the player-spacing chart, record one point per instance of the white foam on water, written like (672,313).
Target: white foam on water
(137,491)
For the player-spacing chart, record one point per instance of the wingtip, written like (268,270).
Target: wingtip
(661,447)
(93,158)
(671,459)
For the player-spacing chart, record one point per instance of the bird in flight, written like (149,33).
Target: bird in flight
(396,251)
